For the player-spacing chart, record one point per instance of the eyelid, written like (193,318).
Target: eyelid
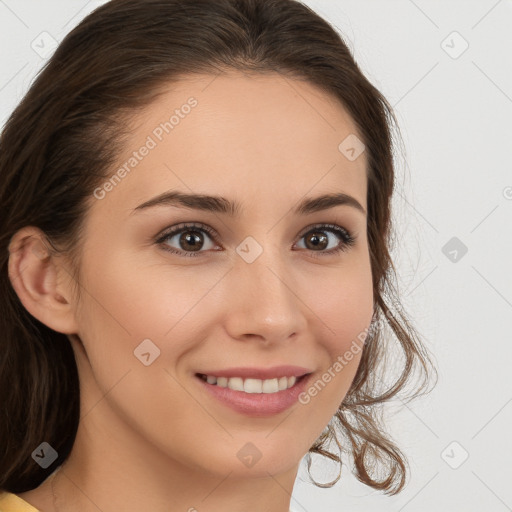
(318,225)
(171,230)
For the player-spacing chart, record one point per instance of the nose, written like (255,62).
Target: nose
(264,300)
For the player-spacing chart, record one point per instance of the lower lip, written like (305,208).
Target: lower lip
(257,404)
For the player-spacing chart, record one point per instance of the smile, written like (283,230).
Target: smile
(251,385)
(254,397)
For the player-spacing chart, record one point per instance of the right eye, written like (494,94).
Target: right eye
(190,238)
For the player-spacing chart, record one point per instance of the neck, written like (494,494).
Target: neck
(96,479)
(82,493)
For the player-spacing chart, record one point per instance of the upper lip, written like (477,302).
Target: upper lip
(259,373)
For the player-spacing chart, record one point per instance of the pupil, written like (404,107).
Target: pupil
(194,241)
(317,240)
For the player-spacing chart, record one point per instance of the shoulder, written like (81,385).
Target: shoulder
(10,502)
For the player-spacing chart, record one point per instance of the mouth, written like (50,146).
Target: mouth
(254,397)
(252,385)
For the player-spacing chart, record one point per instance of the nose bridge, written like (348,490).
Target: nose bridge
(263,268)
(263,301)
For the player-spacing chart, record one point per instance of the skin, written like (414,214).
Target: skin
(150,438)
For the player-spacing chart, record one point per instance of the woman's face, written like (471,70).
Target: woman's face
(259,287)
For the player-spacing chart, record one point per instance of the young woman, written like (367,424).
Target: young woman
(195,280)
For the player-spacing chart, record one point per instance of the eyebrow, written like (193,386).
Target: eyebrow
(219,204)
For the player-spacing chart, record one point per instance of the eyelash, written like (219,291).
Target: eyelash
(348,239)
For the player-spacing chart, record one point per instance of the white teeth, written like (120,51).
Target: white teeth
(222,382)
(252,385)
(236,383)
(270,386)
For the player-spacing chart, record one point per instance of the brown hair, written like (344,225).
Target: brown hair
(64,136)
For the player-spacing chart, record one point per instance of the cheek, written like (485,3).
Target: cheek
(127,303)
(121,308)
(343,304)
(132,302)
(344,308)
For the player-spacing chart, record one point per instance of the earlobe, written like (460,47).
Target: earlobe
(37,279)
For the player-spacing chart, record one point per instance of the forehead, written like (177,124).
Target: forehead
(245,136)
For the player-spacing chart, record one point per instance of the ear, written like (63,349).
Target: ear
(41,283)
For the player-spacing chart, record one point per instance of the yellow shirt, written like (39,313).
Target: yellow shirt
(10,502)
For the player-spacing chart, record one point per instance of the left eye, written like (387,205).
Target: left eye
(191,239)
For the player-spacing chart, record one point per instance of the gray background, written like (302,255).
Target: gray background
(454,193)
